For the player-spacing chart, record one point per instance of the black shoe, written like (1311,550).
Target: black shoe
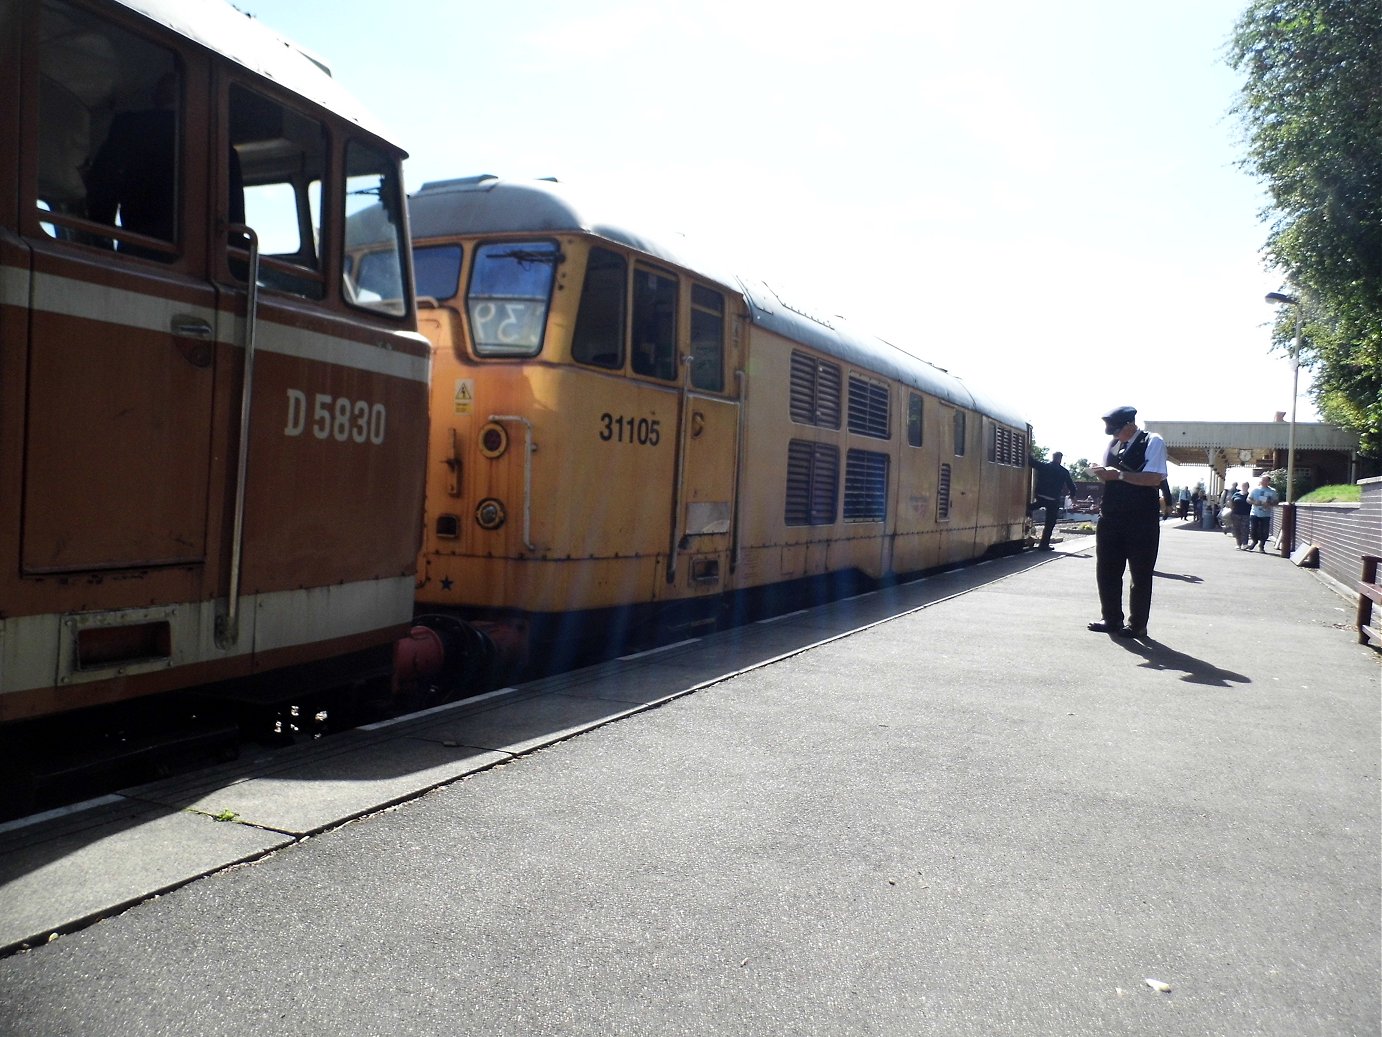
(1132,632)
(1103,626)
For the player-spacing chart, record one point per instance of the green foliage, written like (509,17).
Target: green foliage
(1278,477)
(1344,493)
(1079,471)
(1040,453)
(1311,106)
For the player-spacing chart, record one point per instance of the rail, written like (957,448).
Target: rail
(679,472)
(229,628)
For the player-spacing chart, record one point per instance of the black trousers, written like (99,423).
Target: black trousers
(1052,509)
(1126,542)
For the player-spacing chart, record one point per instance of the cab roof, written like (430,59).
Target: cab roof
(488,205)
(220,28)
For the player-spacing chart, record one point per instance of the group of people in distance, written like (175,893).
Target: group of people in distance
(1250,514)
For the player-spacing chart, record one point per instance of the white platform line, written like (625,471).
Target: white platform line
(435,709)
(662,648)
(49,815)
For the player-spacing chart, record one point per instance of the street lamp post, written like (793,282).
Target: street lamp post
(1280,297)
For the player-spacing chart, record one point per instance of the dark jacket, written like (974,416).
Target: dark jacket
(1053,482)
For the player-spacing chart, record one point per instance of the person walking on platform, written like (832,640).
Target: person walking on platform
(1263,500)
(1128,535)
(1240,506)
(1053,485)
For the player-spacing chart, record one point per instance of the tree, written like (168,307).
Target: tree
(1079,471)
(1311,106)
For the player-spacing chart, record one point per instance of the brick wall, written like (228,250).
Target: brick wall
(1343,533)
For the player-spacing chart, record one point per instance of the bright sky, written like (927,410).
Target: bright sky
(1042,198)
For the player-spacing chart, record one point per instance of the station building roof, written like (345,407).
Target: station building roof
(1242,443)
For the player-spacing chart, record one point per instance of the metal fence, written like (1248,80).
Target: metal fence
(1343,533)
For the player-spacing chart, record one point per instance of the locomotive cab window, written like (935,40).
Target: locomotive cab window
(654,324)
(510,288)
(598,338)
(372,193)
(111,130)
(959,433)
(707,339)
(277,167)
(437,269)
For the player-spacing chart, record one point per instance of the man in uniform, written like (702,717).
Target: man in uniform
(1053,485)
(1128,534)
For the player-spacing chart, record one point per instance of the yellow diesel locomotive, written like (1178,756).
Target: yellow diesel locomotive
(625,440)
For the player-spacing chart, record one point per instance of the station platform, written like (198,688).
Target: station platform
(1211,791)
(65,868)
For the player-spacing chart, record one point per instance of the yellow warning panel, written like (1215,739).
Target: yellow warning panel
(465,395)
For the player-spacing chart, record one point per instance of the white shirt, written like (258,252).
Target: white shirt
(1263,498)
(1156,456)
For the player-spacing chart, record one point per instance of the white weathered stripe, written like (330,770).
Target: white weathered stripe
(39,651)
(70,297)
(14,286)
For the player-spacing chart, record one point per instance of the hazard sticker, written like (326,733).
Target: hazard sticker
(465,395)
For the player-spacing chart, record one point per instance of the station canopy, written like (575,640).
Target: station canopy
(1221,445)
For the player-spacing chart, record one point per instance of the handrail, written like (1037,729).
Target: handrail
(679,466)
(738,489)
(529,448)
(1369,593)
(228,630)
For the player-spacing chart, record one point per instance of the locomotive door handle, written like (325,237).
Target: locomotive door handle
(184,327)
(453,464)
(192,327)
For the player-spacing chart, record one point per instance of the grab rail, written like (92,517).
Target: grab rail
(228,629)
(529,448)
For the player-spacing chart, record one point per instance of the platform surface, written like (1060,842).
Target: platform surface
(944,808)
